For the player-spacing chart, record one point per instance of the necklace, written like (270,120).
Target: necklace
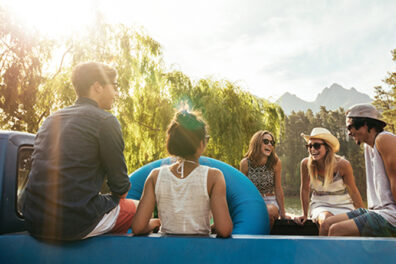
(180,168)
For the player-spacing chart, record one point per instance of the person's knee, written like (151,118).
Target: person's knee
(334,230)
(325,225)
(323,217)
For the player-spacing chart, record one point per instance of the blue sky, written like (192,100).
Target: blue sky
(267,47)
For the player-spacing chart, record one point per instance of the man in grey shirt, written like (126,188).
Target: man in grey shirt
(365,126)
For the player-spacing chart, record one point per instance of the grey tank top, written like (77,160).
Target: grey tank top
(262,178)
(379,194)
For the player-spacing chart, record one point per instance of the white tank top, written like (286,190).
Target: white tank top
(379,194)
(335,194)
(183,204)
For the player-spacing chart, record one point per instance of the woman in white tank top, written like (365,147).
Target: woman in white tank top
(185,192)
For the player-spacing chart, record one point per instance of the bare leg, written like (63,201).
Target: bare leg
(344,228)
(273,214)
(321,218)
(325,226)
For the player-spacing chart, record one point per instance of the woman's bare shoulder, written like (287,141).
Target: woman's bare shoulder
(304,161)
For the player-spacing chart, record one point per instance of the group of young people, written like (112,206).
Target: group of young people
(79,147)
(328,192)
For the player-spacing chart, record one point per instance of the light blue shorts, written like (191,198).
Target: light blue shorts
(271,200)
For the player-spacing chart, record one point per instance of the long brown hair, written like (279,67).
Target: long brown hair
(254,152)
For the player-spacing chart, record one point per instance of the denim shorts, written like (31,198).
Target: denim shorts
(371,224)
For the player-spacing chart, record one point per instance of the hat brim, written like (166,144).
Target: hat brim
(362,116)
(330,140)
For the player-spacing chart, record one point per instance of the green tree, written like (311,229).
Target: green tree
(385,99)
(148,94)
(233,115)
(23,56)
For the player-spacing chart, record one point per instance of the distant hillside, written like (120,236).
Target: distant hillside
(332,98)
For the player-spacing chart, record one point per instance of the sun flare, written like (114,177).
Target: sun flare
(54,18)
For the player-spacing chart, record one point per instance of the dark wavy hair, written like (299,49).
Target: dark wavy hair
(254,152)
(86,74)
(378,126)
(185,133)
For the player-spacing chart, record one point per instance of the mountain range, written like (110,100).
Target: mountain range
(332,98)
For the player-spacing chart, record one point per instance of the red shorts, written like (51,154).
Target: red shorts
(124,219)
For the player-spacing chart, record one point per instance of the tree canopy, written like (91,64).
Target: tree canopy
(149,92)
(35,81)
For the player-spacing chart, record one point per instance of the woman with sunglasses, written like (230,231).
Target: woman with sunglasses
(185,192)
(329,177)
(263,167)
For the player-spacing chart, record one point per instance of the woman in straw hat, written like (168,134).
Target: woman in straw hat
(329,177)
(263,167)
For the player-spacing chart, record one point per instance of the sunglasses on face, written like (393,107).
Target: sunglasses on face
(314,145)
(357,124)
(267,141)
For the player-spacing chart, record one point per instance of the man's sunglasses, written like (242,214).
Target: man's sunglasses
(267,141)
(314,145)
(357,124)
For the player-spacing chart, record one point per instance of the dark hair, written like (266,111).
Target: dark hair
(86,74)
(378,125)
(254,152)
(185,133)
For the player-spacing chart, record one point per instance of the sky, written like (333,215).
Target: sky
(266,47)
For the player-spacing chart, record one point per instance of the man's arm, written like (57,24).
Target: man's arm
(386,146)
(111,149)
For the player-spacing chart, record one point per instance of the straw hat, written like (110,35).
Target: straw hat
(324,134)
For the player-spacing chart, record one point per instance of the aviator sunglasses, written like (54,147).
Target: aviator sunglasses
(267,141)
(314,145)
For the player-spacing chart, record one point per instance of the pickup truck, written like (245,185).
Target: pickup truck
(17,246)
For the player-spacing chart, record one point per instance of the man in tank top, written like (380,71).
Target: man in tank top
(365,126)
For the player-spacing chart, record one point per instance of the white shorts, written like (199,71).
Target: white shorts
(334,210)
(106,224)
(271,200)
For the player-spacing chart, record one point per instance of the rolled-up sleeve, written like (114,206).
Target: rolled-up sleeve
(111,146)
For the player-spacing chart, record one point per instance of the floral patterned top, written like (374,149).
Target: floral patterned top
(262,178)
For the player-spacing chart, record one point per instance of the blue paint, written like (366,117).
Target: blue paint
(247,208)
(21,248)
